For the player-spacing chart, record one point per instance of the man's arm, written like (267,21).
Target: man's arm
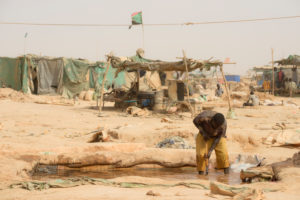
(214,144)
(198,123)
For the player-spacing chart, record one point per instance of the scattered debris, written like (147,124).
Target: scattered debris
(100,136)
(166,120)
(268,102)
(172,109)
(174,142)
(244,162)
(269,172)
(237,193)
(282,138)
(137,112)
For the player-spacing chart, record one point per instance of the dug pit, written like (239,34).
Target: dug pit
(49,172)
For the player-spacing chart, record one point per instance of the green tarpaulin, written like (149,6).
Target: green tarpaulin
(97,73)
(13,73)
(74,77)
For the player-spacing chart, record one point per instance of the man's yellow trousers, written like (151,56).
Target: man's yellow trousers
(202,149)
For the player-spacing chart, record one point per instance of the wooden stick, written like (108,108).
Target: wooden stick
(187,83)
(226,87)
(102,86)
(273,82)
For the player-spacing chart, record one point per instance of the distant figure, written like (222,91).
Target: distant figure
(292,87)
(252,101)
(267,86)
(276,78)
(219,91)
(295,75)
(281,77)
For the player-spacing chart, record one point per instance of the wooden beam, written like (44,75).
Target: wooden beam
(187,83)
(273,72)
(103,82)
(226,88)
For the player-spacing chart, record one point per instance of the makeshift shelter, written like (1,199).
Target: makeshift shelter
(267,72)
(44,75)
(291,60)
(13,73)
(156,67)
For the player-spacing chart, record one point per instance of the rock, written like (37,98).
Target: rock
(82,95)
(89,95)
(166,120)
(100,136)
(172,110)
(151,193)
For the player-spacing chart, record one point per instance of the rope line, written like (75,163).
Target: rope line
(171,24)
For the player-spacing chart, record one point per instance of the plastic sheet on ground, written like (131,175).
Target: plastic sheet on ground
(244,162)
(73,182)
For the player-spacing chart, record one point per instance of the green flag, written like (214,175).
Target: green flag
(136,19)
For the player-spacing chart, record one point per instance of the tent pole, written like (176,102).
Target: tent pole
(273,72)
(187,83)
(102,86)
(226,88)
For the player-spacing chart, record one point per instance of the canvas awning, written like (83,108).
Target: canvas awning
(163,65)
(291,60)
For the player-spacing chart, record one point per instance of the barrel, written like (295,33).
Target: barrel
(180,91)
(159,100)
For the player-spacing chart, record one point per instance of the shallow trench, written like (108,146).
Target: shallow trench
(48,172)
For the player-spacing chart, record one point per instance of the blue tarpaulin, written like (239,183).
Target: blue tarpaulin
(235,78)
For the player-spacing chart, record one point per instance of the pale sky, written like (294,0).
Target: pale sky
(249,44)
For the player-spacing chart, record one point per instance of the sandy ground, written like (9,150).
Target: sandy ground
(35,129)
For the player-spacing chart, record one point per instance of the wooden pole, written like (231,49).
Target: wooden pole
(143,36)
(187,83)
(102,86)
(226,88)
(273,82)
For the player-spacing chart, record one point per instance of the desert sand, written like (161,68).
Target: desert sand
(34,130)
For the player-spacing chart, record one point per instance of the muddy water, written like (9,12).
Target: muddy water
(107,172)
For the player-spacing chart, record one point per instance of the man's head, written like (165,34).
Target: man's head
(217,120)
(140,52)
(218,85)
(280,69)
(251,93)
(290,80)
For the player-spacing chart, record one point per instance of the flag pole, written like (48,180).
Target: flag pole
(24,46)
(143,42)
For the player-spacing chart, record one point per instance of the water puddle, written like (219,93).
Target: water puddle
(46,172)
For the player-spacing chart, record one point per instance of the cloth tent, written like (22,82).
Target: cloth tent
(96,74)
(64,76)
(13,73)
